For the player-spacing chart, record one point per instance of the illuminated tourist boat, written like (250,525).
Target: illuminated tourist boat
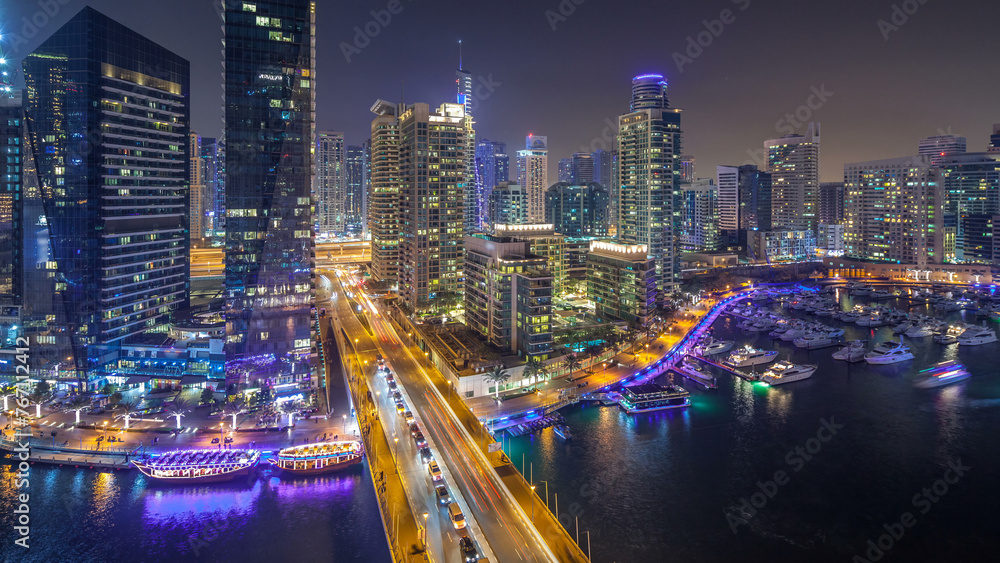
(750,356)
(315,459)
(649,397)
(941,374)
(199,466)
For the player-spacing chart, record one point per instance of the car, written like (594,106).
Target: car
(584,384)
(414,429)
(420,440)
(426,455)
(392,385)
(456,516)
(389,377)
(442,495)
(397,396)
(400,407)
(469,553)
(408,416)
(434,470)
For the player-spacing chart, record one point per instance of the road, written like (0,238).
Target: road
(507,528)
(211,261)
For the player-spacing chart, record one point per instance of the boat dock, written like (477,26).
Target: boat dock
(700,379)
(732,370)
(535,425)
(90,459)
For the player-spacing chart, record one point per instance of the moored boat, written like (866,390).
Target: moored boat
(649,397)
(787,372)
(853,352)
(750,356)
(316,459)
(889,353)
(185,467)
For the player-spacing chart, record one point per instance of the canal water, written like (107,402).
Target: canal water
(79,515)
(837,460)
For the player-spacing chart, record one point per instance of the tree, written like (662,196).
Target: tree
(207,395)
(41,391)
(8,391)
(535,370)
(571,363)
(107,389)
(128,411)
(77,404)
(233,408)
(115,398)
(178,409)
(289,408)
(498,375)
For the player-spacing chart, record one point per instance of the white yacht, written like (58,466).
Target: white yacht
(793,333)
(950,336)
(851,317)
(879,294)
(981,336)
(920,330)
(901,328)
(889,353)
(786,372)
(717,347)
(873,320)
(833,332)
(758,296)
(813,340)
(750,356)
(863,290)
(854,351)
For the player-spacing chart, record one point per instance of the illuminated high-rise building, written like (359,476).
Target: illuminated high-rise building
(687,169)
(582,169)
(357,191)
(566,170)
(939,147)
(533,175)
(744,204)
(196,188)
(383,197)
(793,161)
(492,165)
(602,168)
(108,257)
(994,145)
(331,183)
(212,171)
(269,130)
(649,149)
(473,186)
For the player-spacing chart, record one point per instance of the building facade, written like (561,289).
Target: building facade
(621,281)
(492,165)
(793,161)
(432,191)
(533,175)
(782,246)
(383,200)
(744,205)
(940,147)
(893,211)
(970,184)
(356,163)
(508,204)
(109,256)
(214,196)
(474,191)
(699,216)
(270,209)
(577,211)
(649,150)
(994,145)
(582,168)
(543,241)
(508,295)
(331,183)
(603,172)
(830,238)
(196,189)
(566,170)
(831,202)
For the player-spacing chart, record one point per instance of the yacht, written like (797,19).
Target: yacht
(851,317)
(833,332)
(854,351)
(873,320)
(889,353)
(787,372)
(981,336)
(950,336)
(948,305)
(901,328)
(750,356)
(863,290)
(920,330)
(879,294)
(717,347)
(813,340)
(758,296)
(793,333)
(941,374)
(765,325)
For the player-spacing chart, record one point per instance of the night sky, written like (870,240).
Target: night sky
(935,73)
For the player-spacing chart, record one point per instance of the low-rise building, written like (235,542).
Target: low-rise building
(508,295)
(621,281)
(782,246)
(830,238)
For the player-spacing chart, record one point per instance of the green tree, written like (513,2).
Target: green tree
(42,389)
(571,363)
(536,370)
(115,398)
(498,376)
(207,395)
(107,389)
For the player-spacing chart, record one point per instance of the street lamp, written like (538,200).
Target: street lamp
(425,528)
(547,495)
(532,503)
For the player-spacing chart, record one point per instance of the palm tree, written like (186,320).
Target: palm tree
(498,376)
(535,369)
(177,409)
(593,351)
(128,409)
(77,404)
(233,408)
(571,363)
(289,408)
(8,391)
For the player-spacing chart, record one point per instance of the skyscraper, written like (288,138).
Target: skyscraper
(649,138)
(508,205)
(473,188)
(331,182)
(109,248)
(994,145)
(383,201)
(699,216)
(687,169)
(577,211)
(533,175)
(583,168)
(196,188)
(940,146)
(492,165)
(356,192)
(212,171)
(793,161)
(744,204)
(602,168)
(893,211)
(11,201)
(269,129)
(432,172)
(566,170)
(831,202)
(970,183)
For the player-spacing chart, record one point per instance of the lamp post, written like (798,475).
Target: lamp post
(546,493)
(588,544)
(532,503)
(424,532)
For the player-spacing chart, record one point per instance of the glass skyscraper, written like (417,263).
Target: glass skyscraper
(106,203)
(269,131)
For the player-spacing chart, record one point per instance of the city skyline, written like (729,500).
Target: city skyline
(879,117)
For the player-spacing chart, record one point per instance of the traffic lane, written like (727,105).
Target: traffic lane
(493,516)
